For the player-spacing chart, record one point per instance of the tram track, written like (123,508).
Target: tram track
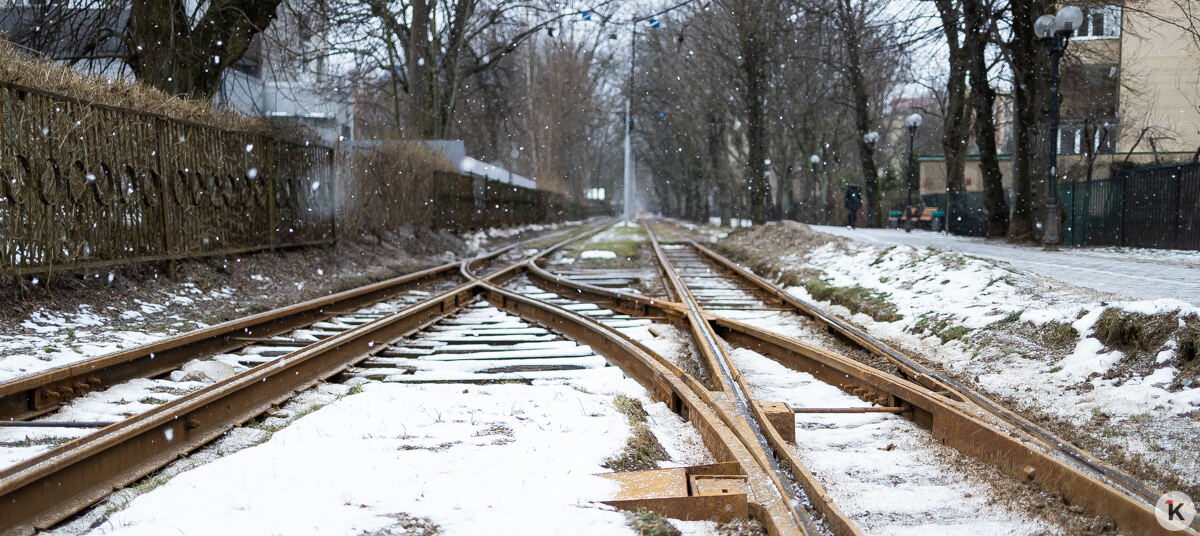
(955,416)
(43,489)
(507,318)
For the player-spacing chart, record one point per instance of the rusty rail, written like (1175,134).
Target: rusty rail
(38,394)
(773,447)
(43,490)
(917,394)
(940,382)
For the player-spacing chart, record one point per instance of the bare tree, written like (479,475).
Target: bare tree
(956,125)
(178,46)
(979,17)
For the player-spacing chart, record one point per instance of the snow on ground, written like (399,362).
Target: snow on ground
(886,473)
(494,459)
(53,338)
(477,240)
(1140,415)
(111,405)
(1133,273)
(597,254)
(58,338)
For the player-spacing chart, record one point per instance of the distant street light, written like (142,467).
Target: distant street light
(870,138)
(1055,31)
(912,122)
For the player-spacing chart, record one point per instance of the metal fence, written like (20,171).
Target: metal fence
(1148,208)
(84,185)
(463,202)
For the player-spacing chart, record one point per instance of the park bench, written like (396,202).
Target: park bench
(923,220)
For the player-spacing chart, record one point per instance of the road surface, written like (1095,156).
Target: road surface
(1135,273)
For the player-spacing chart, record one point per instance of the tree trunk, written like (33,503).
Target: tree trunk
(716,143)
(983,97)
(187,57)
(758,188)
(1031,94)
(957,123)
(862,115)
(420,66)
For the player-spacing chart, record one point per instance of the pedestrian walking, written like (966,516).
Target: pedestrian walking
(853,201)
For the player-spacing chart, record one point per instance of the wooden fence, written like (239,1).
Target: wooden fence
(84,185)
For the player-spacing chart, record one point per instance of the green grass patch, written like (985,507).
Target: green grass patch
(619,239)
(857,299)
(940,325)
(953,333)
(151,482)
(1011,317)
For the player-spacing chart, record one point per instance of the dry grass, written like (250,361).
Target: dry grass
(857,299)
(1134,332)
(642,450)
(742,527)
(648,523)
(388,187)
(632,409)
(1187,341)
(19,68)
(1059,335)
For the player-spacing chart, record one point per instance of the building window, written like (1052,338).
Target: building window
(1074,137)
(1068,139)
(1100,23)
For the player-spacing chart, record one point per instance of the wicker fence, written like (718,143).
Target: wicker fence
(85,185)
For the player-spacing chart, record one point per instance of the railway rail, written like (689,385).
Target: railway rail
(957,416)
(41,490)
(508,317)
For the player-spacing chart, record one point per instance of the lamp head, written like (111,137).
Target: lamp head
(814,159)
(1045,26)
(1068,19)
(913,121)
(871,137)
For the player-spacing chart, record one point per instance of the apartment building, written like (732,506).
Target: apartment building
(1131,96)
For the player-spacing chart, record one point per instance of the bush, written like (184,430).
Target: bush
(386,187)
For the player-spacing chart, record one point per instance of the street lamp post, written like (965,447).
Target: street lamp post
(870,138)
(818,205)
(628,173)
(912,122)
(1055,31)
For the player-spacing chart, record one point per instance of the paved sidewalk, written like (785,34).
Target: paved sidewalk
(1135,273)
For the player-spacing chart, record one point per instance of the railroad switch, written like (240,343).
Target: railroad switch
(716,492)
